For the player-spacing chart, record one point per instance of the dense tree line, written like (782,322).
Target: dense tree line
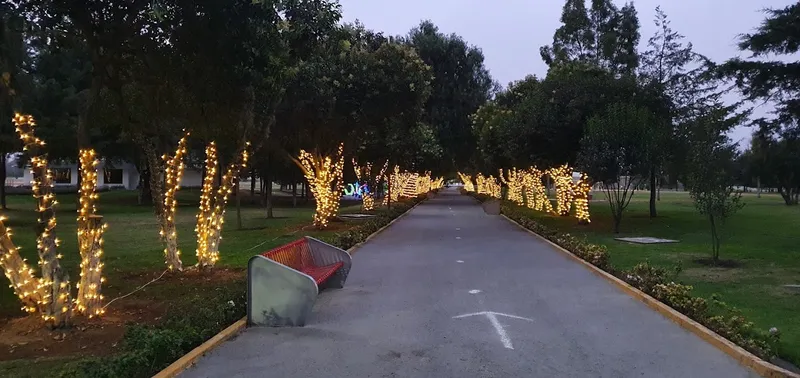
(128,77)
(633,118)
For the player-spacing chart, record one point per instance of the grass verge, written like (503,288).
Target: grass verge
(734,307)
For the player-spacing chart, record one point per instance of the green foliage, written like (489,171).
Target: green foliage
(617,151)
(148,349)
(711,172)
(461,84)
(775,80)
(604,36)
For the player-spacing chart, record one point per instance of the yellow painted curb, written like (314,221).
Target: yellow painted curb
(744,357)
(190,358)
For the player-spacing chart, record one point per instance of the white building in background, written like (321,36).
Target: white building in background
(109,176)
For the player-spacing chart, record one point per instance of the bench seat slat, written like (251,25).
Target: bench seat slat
(297,256)
(321,273)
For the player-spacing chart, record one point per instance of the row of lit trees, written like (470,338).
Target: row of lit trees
(526,187)
(50,295)
(325,175)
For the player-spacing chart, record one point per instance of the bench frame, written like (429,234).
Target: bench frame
(278,295)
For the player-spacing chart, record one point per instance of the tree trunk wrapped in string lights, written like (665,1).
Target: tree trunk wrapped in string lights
(424,183)
(213,202)
(55,303)
(366,176)
(325,179)
(580,192)
(173,173)
(562,177)
(535,191)
(515,182)
(398,181)
(467,180)
(23,281)
(165,177)
(437,184)
(488,186)
(90,239)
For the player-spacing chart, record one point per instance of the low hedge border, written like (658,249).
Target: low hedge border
(147,350)
(658,282)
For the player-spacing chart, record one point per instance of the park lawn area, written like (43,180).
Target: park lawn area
(133,256)
(762,238)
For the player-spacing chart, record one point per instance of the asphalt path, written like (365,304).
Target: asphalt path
(449,291)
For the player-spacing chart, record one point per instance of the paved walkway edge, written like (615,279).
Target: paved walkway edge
(195,354)
(741,355)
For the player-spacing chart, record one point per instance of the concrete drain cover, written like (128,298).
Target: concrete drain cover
(646,240)
(356,216)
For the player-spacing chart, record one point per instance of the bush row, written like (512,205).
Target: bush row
(659,283)
(149,349)
(347,239)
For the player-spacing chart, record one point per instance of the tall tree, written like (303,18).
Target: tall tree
(461,84)
(615,153)
(773,80)
(604,36)
(13,60)
(711,169)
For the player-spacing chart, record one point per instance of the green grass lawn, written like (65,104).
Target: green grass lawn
(131,241)
(763,237)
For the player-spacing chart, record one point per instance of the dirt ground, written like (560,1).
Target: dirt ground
(28,338)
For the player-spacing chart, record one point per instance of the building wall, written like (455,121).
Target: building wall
(130,176)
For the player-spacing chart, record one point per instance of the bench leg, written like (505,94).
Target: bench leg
(335,281)
(278,296)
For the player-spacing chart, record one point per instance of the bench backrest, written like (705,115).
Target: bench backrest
(296,255)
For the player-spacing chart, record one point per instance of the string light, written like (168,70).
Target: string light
(54,301)
(515,183)
(488,186)
(22,278)
(173,173)
(580,192)
(562,177)
(90,239)
(424,183)
(437,184)
(211,216)
(365,173)
(325,177)
(467,180)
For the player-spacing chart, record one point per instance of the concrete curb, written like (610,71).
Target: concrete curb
(744,357)
(183,363)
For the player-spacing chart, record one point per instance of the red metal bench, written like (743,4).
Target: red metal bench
(283,283)
(297,255)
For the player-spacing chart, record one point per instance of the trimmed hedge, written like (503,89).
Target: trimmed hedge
(147,350)
(659,283)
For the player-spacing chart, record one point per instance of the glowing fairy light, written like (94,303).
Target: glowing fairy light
(562,177)
(365,174)
(580,192)
(515,180)
(90,239)
(55,300)
(325,177)
(213,202)
(173,173)
(467,180)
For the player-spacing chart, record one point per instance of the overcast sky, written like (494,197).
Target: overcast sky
(510,32)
